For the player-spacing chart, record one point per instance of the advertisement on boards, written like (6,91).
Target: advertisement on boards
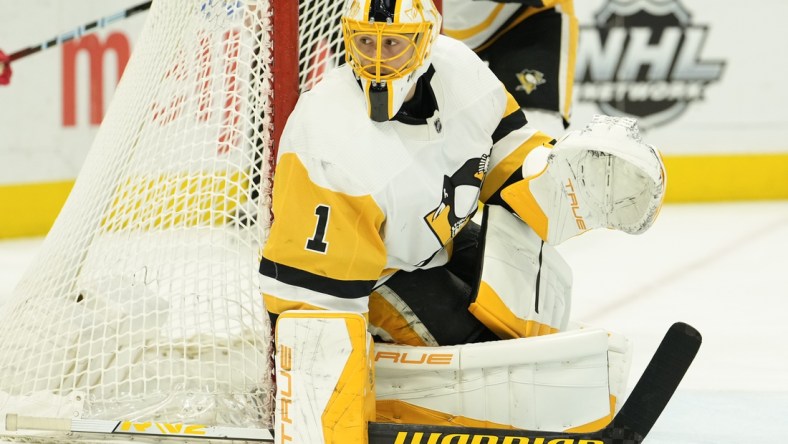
(704,82)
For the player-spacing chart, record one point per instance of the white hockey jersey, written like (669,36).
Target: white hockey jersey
(478,22)
(356,200)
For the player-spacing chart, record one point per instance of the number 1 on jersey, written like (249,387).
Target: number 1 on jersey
(317,242)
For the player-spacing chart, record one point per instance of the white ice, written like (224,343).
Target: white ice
(722,268)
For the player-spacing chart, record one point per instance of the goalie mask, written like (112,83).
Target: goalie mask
(388,43)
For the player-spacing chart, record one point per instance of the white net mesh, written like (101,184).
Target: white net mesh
(144,302)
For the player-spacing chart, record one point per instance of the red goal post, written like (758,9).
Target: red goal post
(143,303)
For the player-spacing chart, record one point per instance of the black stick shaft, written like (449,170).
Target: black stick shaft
(80,31)
(660,379)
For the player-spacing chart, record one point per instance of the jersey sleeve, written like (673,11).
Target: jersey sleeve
(325,249)
(512,142)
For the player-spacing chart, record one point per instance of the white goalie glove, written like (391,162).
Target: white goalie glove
(601,176)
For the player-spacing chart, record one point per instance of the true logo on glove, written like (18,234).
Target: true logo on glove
(570,192)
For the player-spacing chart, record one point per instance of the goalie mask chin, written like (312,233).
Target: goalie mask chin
(385,99)
(388,45)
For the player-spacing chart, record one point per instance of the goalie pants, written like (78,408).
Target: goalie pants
(433,303)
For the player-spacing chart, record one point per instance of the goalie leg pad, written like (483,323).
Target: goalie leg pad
(525,286)
(324,378)
(619,362)
(556,382)
(619,357)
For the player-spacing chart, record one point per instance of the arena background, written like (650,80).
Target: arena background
(697,76)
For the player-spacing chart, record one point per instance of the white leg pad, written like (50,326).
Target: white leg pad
(526,286)
(555,382)
(324,378)
(619,357)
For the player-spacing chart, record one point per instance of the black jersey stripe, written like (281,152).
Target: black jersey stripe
(512,122)
(304,279)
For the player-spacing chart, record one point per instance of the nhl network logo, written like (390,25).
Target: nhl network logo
(642,59)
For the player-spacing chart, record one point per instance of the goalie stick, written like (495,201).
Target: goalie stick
(630,426)
(80,31)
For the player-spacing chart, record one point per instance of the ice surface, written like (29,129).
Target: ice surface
(721,267)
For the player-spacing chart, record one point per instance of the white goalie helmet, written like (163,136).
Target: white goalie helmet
(388,44)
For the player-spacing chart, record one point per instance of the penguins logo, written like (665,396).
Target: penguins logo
(529,79)
(459,202)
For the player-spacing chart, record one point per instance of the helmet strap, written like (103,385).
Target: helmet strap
(379,102)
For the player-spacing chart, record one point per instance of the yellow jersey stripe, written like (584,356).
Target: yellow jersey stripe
(342,246)
(462,34)
(500,173)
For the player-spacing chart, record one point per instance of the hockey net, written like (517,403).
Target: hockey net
(144,302)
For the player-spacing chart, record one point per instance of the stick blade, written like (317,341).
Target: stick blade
(659,381)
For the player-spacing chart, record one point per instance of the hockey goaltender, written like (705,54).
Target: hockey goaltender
(391,302)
